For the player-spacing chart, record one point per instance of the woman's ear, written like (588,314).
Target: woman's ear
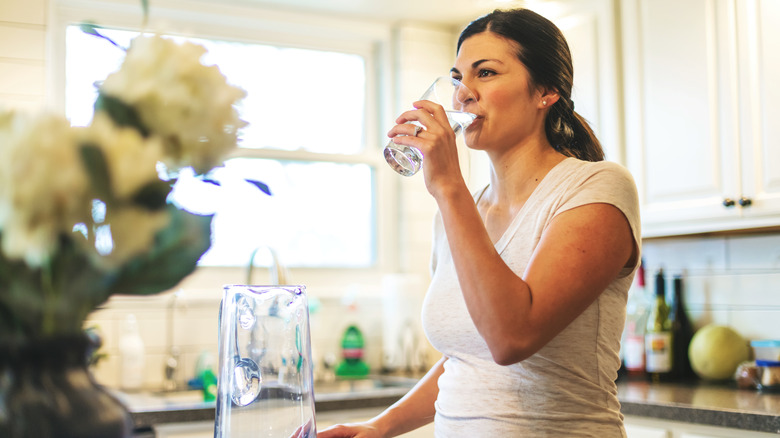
(547,98)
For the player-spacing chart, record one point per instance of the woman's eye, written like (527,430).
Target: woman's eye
(484,73)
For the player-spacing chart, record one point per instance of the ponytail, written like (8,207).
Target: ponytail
(570,134)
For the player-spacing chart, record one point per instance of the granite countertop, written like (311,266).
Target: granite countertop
(151,408)
(699,403)
(721,405)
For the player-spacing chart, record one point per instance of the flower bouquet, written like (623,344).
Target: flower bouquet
(85,214)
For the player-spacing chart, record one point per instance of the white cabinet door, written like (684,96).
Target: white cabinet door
(702,137)
(759,46)
(681,110)
(198,429)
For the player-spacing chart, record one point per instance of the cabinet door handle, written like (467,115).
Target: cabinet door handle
(745,202)
(728,202)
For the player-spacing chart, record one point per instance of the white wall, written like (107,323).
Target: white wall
(23,54)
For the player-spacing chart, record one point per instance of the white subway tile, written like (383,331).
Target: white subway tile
(24,103)
(22,43)
(732,290)
(702,318)
(688,254)
(27,11)
(754,252)
(757,324)
(21,78)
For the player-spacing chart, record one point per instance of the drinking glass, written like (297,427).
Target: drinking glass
(454,97)
(265,386)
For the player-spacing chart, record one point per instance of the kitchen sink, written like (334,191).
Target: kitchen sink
(149,400)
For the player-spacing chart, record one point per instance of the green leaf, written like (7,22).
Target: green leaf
(121,113)
(94,161)
(92,29)
(178,248)
(145,8)
(153,196)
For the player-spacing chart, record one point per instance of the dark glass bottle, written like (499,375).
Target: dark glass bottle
(658,337)
(682,332)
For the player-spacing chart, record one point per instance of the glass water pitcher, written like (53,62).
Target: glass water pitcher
(265,386)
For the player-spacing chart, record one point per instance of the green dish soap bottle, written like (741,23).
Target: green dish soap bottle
(352,366)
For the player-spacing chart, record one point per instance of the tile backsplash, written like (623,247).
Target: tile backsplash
(731,280)
(189,321)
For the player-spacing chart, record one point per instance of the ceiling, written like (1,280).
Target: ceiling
(443,12)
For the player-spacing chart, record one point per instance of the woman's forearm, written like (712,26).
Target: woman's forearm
(415,409)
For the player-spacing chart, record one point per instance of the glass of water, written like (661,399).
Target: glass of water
(454,97)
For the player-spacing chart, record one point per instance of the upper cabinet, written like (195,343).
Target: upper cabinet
(702,135)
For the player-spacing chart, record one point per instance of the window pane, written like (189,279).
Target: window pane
(297,99)
(88,60)
(319,214)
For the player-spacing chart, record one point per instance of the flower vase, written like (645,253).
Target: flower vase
(47,391)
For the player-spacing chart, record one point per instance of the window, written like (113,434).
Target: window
(306,140)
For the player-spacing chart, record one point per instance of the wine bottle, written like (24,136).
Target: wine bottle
(637,310)
(682,332)
(658,337)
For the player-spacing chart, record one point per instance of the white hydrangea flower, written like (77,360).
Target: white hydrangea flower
(189,105)
(43,186)
(132,163)
(132,160)
(129,231)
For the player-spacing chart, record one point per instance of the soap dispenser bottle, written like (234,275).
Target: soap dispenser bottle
(131,356)
(352,367)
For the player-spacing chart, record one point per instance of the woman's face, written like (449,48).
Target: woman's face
(508,110)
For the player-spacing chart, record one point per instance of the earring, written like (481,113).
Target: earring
(544,103)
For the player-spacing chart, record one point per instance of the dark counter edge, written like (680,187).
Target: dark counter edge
(145,420)
(707,417)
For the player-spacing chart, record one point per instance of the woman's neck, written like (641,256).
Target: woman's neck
(516,174)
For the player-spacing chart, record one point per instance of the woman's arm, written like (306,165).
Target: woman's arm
(579,254)
(414,410)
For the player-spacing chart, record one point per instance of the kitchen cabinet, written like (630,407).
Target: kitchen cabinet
(635,431)
(702,138)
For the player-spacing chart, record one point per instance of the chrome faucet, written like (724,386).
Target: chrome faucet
(278,272)
(170,376)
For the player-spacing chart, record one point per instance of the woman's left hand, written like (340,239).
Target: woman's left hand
(436,142)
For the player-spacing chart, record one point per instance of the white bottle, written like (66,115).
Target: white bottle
(131,356)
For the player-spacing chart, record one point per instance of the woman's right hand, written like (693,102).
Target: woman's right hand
(350,430)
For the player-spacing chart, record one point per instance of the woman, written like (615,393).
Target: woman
(530,274)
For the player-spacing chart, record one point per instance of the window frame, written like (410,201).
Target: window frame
(372,41)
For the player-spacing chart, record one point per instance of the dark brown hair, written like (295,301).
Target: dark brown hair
(545,54)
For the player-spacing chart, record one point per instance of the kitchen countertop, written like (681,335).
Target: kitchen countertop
(721,405)
(699,403)
(149,408)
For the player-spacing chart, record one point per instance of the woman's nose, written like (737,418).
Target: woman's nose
(464,96)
